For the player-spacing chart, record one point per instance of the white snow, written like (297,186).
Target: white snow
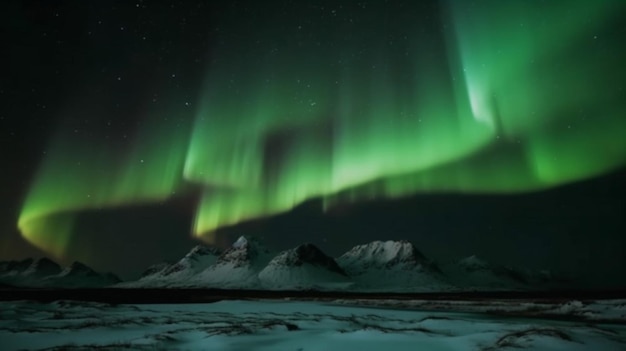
(284,325)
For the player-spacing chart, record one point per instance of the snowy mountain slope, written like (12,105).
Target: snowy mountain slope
(42,267)
(178,274)
(13,268)
(155,269)
(238,267)
(197,260)
(78,275)
(27,272)
(304,267)
(473,273)
(391,266)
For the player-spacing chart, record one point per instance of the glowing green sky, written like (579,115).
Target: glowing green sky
(366,103)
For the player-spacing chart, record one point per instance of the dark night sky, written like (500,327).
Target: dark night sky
(62,58)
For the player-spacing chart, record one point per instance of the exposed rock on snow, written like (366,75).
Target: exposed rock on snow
(304,267)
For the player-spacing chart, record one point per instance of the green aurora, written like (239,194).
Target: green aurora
(500,97)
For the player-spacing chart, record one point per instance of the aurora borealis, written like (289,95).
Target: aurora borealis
(357,101)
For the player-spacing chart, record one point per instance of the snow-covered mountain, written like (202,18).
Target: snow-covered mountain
(304,267)
(42,267)
(473,273)
(197,260)
(78,275)
(13,268)
(238,267)
(179,273)
(27,272)
(391,266)
(43,272)
(155,268)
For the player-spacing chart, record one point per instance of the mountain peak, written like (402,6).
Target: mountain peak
(473,263)
(399,265)
(243,251)
(196,260)
(42,267)
(306,254)
(383,254)
(241,242)
(246,242)
(304,266)
(14,267)
(77,268)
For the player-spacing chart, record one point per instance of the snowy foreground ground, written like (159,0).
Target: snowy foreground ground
(296,325)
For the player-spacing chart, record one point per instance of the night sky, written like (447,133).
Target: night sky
(130,131)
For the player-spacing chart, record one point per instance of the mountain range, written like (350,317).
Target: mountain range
(45,273)
(378,266)
(389,266)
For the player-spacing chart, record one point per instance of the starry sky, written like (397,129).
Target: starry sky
(132,130)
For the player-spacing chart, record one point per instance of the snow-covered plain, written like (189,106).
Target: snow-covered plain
(287,325)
